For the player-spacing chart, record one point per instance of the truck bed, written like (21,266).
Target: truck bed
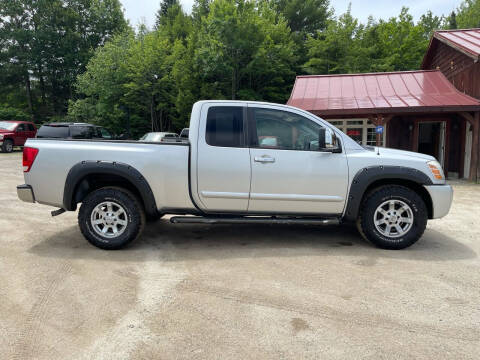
(163,165)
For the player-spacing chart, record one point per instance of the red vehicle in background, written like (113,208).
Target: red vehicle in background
(15,133)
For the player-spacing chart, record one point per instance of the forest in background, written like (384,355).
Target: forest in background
(80,60)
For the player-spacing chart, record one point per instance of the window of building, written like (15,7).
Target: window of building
(360,130)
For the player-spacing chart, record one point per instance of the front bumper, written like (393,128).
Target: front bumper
(442,196)
(25,193)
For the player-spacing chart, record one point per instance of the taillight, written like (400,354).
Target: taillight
(29,155)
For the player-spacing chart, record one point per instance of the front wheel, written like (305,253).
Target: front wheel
(7,146)
(392,217)
(110,218)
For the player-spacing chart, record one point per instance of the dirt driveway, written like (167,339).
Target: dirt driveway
(244,292)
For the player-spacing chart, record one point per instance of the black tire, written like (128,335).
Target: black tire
(366,219)
(134,216)
(7,146)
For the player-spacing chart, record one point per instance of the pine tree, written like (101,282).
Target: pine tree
(165,5)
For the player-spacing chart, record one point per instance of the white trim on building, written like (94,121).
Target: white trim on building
(361,130)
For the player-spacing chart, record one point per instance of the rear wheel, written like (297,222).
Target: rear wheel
(7,146)
(110,218)
(392,217)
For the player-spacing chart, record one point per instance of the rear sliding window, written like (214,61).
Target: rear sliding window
(225,126)
(82,132)
(53,132)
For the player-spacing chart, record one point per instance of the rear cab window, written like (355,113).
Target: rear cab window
(225,126)
(56,132)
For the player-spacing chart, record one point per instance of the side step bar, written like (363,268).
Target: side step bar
(252,220)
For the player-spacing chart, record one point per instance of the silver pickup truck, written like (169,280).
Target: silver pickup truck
(244,162)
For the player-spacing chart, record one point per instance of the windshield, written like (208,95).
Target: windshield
(5,125)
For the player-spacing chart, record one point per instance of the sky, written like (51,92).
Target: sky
(138,11)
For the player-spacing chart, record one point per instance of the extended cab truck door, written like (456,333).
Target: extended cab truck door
(223,158)
(289,174)
(30,131)
(20,135)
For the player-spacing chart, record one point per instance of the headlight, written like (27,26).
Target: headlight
(1,137)
(436,170)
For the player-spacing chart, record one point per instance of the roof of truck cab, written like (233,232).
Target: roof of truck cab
(68,124)
(388,92)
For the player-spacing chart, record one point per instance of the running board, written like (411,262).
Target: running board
(252,220)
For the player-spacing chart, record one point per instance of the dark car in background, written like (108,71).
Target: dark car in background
(15,133)
(73,131)
(184,133)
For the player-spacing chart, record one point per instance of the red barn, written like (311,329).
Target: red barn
(419,111)
(456,53)
(434,110)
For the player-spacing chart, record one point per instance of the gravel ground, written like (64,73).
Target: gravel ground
(243,292)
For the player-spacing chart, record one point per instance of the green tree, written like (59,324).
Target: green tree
(16,37)
(305,16)
(429,23)
(333,50)
(46,44)
(137,77)
(200,9)
(150,90)
(468,14)
(165,6)
(237,43)
(175,24)
(402,42)
(451,21)
(347,46)
(102,85)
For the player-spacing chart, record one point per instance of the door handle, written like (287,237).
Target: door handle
(264,159)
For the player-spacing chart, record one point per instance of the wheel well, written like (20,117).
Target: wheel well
(418,188)
(93,182)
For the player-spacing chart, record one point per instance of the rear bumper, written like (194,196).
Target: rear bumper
(25,193)
(442,196)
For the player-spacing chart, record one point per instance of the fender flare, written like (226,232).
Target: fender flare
(367,176)
(79,171)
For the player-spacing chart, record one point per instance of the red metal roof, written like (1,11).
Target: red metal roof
(467,41)
(394,92)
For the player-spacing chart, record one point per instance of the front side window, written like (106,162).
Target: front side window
(105,134)
(276,129)
(21,128)
(225,126)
